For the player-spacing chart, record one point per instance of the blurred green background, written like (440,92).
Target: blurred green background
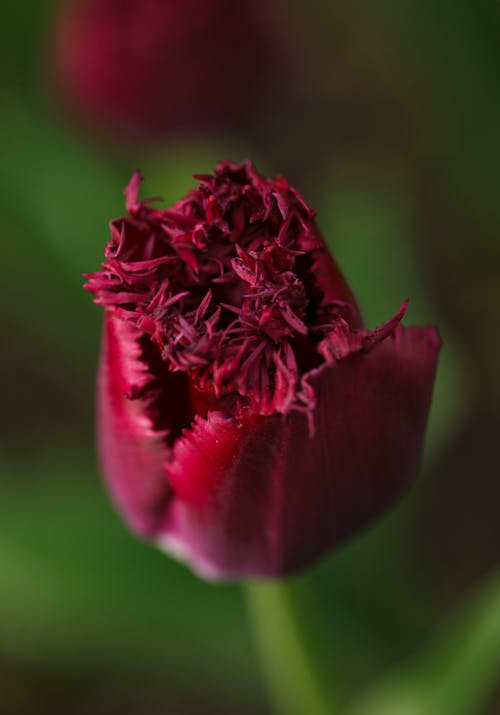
(386,118)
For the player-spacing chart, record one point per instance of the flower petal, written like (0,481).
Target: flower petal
(330,280)
(261,497)
(132,452)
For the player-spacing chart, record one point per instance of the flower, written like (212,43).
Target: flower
(148,67)
(248,421)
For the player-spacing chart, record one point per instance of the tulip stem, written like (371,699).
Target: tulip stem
(287,666)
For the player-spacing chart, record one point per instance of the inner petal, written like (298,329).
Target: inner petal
(170,406)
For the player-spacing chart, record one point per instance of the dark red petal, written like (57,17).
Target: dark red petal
(224,518)
(263,498)
(330,280)
(132,452)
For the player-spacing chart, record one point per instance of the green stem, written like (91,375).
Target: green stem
(292,680)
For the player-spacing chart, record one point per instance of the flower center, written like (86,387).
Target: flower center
(224,285)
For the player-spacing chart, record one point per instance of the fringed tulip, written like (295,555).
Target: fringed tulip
(144,68)
(248,421)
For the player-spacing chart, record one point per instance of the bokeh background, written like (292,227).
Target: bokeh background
(385,116)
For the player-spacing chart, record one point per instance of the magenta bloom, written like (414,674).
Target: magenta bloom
(152,66)
(248,421)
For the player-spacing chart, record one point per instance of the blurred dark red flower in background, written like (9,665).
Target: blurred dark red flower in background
(153,66)
(248,421)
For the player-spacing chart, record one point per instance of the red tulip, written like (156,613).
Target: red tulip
(248,421)
(152,66)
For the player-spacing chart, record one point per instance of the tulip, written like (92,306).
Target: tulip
(248,421)
(149,67)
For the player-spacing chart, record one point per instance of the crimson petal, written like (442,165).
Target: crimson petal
(261,497)
(132,452)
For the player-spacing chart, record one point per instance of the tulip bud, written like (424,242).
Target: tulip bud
(149,67)
(248,421)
